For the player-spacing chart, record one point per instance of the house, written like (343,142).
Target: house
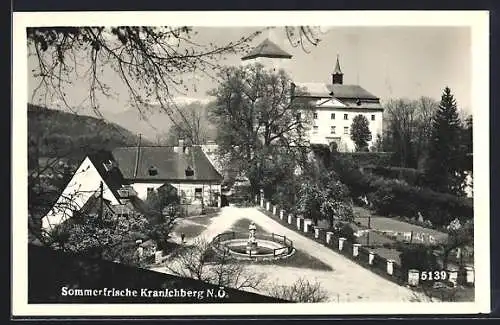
(95,175)
(336,105)
(127,175)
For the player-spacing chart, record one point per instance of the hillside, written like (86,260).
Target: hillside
(53,133)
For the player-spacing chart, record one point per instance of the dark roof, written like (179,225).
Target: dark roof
(170,163)
(339,91)
(267,49)
(337,67)
(112,177)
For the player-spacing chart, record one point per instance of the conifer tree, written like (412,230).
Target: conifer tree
(360,132)
(446,153)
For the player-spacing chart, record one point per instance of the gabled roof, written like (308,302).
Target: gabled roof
(340,91)
(111,176)
(267,49)
(170,163)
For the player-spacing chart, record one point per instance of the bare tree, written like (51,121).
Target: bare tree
(408,128)
(200,262)
(150,61)
(301,290)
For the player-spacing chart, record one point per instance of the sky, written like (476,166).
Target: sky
(390,62)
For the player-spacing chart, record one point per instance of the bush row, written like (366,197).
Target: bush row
(392,197)
(410,175)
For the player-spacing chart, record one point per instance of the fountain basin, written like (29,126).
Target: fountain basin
(268,247)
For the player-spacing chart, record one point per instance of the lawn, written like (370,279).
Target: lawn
(191,230)
(384,223)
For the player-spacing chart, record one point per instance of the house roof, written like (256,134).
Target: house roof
(170,163)
(267,49)
(339,91)
(113,176)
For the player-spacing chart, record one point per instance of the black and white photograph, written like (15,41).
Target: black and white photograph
(336,161)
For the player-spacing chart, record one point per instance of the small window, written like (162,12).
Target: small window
(315,129)
(332,129)
(151,190)
(189,171)
(152,171)
(373,117)
(332,116)
(358,102)
(346,130)
(198,193)
(315,115)
(345,117)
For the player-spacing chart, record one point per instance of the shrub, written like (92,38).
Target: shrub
(345,230)
(418,257)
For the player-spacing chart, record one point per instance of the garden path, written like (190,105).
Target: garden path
(347,282)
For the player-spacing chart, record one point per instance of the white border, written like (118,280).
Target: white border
(478,21)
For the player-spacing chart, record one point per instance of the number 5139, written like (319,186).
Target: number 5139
(433,275)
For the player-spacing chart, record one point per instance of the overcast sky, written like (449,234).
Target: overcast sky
(390,62)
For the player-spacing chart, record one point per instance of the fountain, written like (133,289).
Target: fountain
(244,246)
(252,242)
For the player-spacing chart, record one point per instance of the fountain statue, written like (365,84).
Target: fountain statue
(252,242)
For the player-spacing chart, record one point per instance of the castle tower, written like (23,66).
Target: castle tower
(268,53)
(337,75)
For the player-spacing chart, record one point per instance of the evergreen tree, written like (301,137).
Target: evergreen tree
(360,132)
(445,172)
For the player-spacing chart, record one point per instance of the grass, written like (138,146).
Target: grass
(384,223)
(190,230)
(302,260)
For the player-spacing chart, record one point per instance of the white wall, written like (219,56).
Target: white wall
(84,183)
(187,188)
(324,123)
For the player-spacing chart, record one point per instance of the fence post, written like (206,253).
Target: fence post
(289,219)
(268,205)
(282,212)
(341,243)
(355,249)
(413,277)
(329,235)
(299,221)
(316,232)
(274,210)
(390,267)
(469,274)
(371,257)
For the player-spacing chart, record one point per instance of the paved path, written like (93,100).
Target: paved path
(347,282)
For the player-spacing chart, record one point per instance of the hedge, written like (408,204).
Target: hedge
(410,175)
(398,198)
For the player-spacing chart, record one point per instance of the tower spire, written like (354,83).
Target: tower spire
(337,76)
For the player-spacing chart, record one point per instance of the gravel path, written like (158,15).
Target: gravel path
(347,282)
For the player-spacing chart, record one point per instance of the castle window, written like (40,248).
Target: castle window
(315,116)
(345,117)
(332,116)
(315,129)
(332,129)
(152,171)
(373,117)
(189,171)
(346,130)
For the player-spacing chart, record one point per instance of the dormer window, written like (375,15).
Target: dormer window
(189,172)
(108,165)
(152,171)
